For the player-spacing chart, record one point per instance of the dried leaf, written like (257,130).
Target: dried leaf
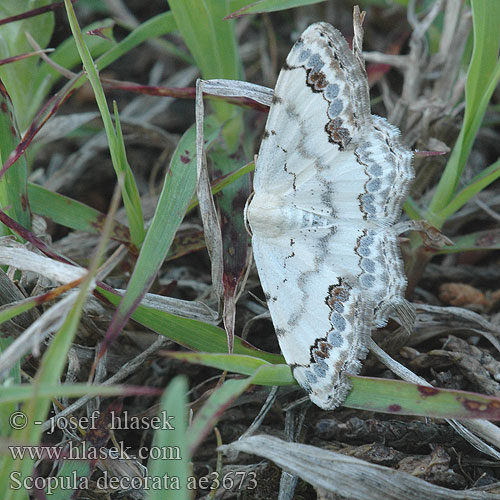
(347,476)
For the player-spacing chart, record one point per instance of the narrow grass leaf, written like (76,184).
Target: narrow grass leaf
(22,392)
(212,42)
(18,77)
(13,377)
(130,192)
(13,195)
(74,473)
(71,213)
(66,55)
(213,408)
(37,407)
(220,183)
(246,365)
(278,374)
(372,394)
(191,333)
(13,309)
(259,7)
(49,373)
(155,27)
(262,372)
(81,458)
(482,240)
(412,209)
(178,190)
(482,77)
(402,398)
(174,468)
(476,185)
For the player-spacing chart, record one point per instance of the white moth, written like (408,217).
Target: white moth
(330,182)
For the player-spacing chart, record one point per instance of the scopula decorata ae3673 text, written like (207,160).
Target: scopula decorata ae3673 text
(330,181)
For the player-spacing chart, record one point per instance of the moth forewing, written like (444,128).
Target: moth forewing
(330,181)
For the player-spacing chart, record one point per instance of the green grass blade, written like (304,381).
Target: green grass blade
(7,408)
(191,333)
(482,240)
(373,394)
(480,182)
(259,7)
(246,365)
(412,209)
(23,392)
(18,77)
(212,42)
(49,373)
(404,398)
(220,184)
(130,192)
(71,213)
(213,408)
(72,472)
(66,55)
(37,407)
(482,78)
(174,442)
(157,26)
(13,194)
(178,190)
(263,373)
